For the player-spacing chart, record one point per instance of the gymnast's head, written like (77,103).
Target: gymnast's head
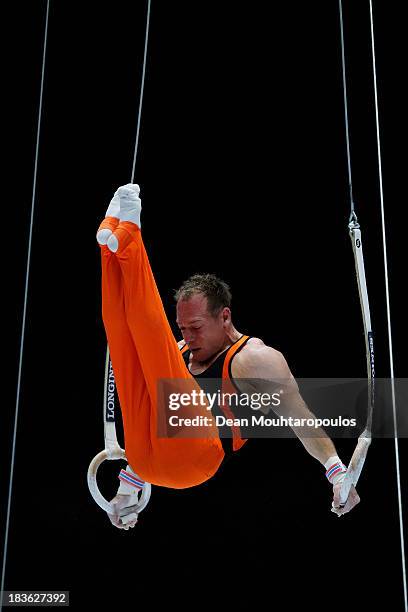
(204,314)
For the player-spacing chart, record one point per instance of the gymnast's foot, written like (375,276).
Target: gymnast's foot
(110,223)
(129,217)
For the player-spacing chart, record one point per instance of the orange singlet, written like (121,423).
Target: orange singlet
(143,350)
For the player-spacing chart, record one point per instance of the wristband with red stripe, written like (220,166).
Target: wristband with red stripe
(129,481)
(335,470)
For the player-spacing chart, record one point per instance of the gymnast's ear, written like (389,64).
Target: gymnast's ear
(226,314)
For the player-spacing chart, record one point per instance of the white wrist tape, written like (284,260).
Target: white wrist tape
(130,482)
(335,470)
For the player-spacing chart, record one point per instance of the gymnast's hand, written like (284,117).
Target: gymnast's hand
(119,502)
(352,500)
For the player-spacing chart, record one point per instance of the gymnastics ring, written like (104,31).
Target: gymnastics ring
(110,455)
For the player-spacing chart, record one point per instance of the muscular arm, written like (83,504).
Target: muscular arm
(271,372)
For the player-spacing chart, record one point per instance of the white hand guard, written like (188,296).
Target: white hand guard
(130,484)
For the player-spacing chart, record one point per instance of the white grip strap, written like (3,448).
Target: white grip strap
(357,460)
(354,469)
(112,452)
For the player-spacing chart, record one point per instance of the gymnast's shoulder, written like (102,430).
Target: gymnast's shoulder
(258,360)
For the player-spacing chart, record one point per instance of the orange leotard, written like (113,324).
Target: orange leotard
(143,350)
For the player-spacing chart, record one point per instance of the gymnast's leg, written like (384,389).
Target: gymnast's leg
(170,462)
(131,386)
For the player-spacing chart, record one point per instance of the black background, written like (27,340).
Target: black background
(243,170)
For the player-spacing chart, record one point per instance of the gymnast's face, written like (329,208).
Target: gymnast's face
(204,333)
